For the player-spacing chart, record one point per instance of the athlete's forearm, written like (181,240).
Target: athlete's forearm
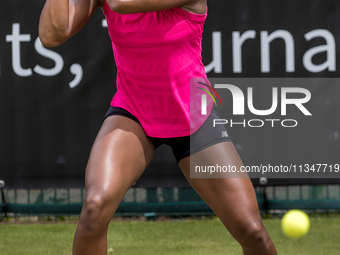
(60,19)
(54,21)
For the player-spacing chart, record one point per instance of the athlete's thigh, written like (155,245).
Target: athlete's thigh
(119,155)
(232,199)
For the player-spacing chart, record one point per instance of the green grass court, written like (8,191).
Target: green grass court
(169,237)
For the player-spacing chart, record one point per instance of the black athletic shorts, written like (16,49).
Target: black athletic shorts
(204,137)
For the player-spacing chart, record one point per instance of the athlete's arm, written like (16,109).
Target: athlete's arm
(61,19)
(137,6)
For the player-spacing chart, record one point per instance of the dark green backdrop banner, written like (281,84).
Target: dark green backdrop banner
(52,100)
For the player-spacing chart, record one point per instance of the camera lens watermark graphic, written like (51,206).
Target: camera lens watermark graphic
(281,127)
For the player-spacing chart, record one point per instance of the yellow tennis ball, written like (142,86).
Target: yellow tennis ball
(295,223)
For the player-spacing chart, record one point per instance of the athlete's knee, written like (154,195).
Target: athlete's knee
(94,204)
(255,232)
(255,235)
(95,214)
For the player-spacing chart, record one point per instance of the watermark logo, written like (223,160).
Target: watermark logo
(211,92)
(280,96)
(298,119)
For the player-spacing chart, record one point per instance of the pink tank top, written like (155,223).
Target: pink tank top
(156,54)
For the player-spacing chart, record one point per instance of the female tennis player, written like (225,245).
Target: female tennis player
(157,49)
